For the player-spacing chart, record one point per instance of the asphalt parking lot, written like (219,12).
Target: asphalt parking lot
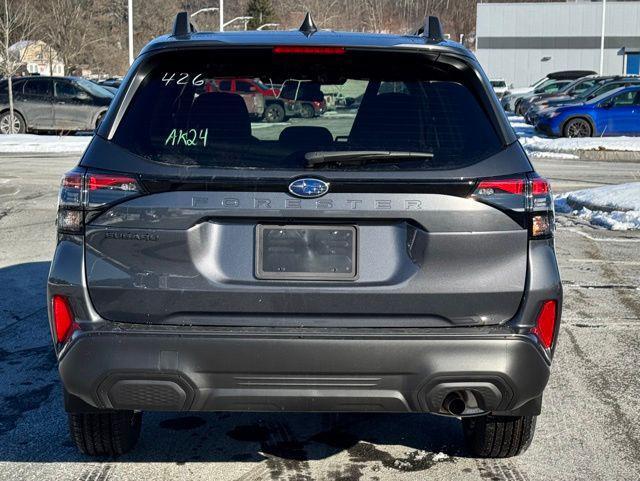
(589,429)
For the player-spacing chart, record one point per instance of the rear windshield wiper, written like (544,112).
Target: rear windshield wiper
(362,156)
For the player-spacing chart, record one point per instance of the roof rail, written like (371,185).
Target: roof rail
(431,29)
(182,25)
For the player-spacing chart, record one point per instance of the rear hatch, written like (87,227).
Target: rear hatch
(407,210)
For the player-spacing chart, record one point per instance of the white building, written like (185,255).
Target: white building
(37,57)
(522,42)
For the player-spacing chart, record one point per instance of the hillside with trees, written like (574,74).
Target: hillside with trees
(93,33)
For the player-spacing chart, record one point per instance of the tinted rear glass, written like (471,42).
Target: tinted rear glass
(184,112)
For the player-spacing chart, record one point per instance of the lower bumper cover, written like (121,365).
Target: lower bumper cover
(180,369)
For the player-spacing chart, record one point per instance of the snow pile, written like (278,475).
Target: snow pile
(27,143)
(614,207)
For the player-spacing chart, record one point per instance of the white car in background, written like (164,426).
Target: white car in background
(511,98)
(499,87)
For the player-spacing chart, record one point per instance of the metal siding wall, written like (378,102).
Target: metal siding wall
(534,20)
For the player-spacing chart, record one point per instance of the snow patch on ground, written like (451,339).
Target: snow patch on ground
(614,207)
(28,143)
(537,144)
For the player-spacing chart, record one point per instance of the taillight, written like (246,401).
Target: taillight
(83,192)
(498,186)
(103,189)
(63,320)
(527,199)
(545,327)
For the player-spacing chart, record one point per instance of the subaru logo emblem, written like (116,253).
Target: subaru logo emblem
(308,187)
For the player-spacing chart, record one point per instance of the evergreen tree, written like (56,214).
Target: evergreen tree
(262,12)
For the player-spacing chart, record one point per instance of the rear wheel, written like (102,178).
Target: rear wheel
(519,110)
(274,113)
(307,111)
(105,433)
(498,436)
(577,128)
(19,125)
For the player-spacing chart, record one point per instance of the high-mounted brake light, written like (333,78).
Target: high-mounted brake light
(545,328)
(294,49)
(63,319)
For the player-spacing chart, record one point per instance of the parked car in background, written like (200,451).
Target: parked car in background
(511,98)
(550,87)
(571,90)
(613,113)
(499,87)
(111,90)
(111,82)
(53,104)
(253,87)
(602,86)
(296,98)
(254,99)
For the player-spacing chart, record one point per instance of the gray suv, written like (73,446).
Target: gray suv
(397,257)
(53,104)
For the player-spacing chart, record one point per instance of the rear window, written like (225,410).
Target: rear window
(429,116)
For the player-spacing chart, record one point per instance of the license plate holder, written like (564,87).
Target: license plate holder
(306,252)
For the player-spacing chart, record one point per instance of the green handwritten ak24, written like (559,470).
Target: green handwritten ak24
(188,137)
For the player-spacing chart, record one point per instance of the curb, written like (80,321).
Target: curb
(592,155)
(609,155)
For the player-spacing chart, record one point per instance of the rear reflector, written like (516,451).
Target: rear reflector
(546,324)
(63,319)
(308,50)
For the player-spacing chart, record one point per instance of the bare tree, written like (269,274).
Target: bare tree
(67,29)
(16,23)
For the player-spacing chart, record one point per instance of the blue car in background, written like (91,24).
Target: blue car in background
(614,113)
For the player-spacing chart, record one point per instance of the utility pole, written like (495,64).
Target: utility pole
(130,18)
(604,17)
(221,14)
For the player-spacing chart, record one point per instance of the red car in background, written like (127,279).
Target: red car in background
(295,98)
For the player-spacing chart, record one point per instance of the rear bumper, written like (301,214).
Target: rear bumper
(261,369)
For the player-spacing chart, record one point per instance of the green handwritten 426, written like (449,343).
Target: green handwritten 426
(188,137)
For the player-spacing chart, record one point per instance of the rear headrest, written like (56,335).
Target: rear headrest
(388,120)
(302,136)
(224,114)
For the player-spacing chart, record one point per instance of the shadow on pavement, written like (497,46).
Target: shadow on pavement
(33,423)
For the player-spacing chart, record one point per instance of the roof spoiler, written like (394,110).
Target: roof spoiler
(431,29)
(183,25)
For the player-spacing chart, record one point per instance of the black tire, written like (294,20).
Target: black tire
(5,123)
(105,434)
(498,436)
(577,127)
(519,109)
(307,111)
(274,113)
(99,120)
